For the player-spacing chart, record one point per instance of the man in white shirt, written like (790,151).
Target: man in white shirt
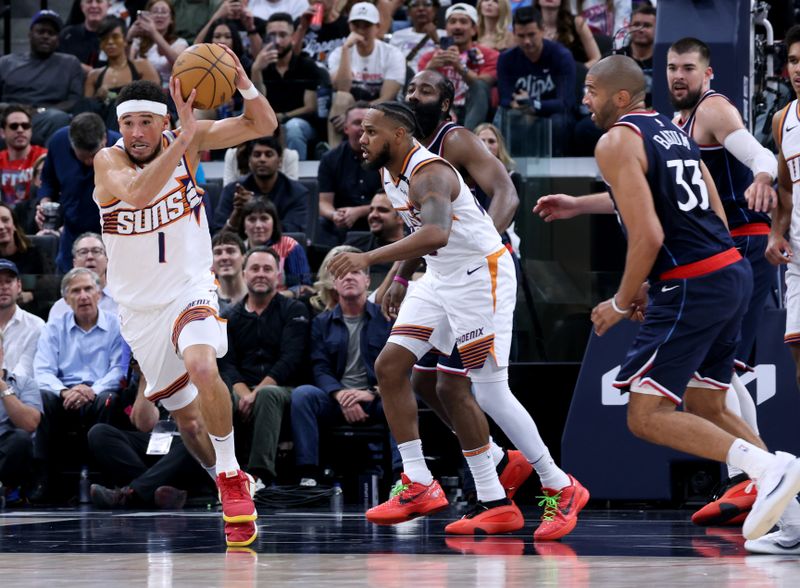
(20,329)
(364,68)
(266,8)
(422,36)
(88,251)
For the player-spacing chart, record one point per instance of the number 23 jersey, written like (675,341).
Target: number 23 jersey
(692,230)
(156,252)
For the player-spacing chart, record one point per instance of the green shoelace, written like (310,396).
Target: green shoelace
(550,504)
(398,488)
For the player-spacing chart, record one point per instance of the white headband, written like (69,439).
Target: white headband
(131,106)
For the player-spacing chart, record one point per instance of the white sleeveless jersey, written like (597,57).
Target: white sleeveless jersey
(790,147)
(472,234)
(156,252)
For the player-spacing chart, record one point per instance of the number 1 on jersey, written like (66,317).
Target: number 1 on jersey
(162,248)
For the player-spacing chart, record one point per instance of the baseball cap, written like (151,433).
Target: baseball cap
(364,11)
(9,266)
(50,16)
(462,8)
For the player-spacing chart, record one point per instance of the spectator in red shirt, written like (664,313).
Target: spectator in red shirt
(19,158)
(471,67)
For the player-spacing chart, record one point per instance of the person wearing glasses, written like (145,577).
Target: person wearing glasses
(88,251)
(422,36)
(20,157)
(643,34)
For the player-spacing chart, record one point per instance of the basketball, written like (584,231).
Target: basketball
(209,69)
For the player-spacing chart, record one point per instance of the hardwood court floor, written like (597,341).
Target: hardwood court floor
(315,547)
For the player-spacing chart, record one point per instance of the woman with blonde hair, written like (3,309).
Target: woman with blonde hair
(494,22)
(326,298)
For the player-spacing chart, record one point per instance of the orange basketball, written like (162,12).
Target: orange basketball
(209,69)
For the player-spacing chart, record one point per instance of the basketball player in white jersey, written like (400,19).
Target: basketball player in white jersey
(159,270)
(466,299)
(786,217)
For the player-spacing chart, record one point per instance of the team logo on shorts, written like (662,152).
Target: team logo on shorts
(474,334)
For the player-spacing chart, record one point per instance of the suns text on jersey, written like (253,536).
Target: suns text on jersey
(161,213)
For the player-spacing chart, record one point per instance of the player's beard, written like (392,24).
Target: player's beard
(156,152)
(380,161)
(429,116)
(687,102)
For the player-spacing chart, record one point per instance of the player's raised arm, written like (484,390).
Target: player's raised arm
(257,120)
(623,163)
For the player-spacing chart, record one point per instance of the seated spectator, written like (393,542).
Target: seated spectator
(289,82)
(267,345)
(422,36)
(263,9)
(19,159)
(471,67)
(262,228)
(20,329)
(20,414)
(319,44)
(345,186)
(88,251)
(345,342)
(15,246)
(561,26)
(239,21)
(364,68)
(642,39)
(142,480)
(385,227)
(263,157)
(228,251)
(494,24)
(152,36)
(104,83)
(82,39)
(536,80)
(79,366)
(190,16)
(290,161)
(59,77)
(68,178)
(605,17)
(325,296)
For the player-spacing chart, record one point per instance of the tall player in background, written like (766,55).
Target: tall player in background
(780,251)
(682,266)
(159,270)
(743,172)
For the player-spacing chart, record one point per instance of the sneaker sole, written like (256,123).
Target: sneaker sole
(410,516)
(486,528)
(240,518)
(243,543)
(788,487)
(727,513)
(771,548)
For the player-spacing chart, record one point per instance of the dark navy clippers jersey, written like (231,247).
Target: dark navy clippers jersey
(437,142)
(730,175)
(692,230)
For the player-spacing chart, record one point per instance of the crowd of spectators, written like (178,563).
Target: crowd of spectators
(302,344)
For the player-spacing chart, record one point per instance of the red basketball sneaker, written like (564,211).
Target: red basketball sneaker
(408,500)
(499,516)
(513,470)
(731,507)
(236,495)
(240,534)
(561,508)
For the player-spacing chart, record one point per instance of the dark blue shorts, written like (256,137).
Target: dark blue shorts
(434,360)
(752,247)
(690,334)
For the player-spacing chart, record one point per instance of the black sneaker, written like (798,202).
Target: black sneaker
(107,498)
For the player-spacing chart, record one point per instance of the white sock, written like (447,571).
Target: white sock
(497,400)
(414,465)
(732,404)
(226,454)
(496,451)
(747,407)
(211,471)
(550,474)
(481,464)
(752,460)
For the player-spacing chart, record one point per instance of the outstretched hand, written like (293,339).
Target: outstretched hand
(185,108)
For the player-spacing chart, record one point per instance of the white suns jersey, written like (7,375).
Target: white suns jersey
(472,234)
(790,147)
(154,253)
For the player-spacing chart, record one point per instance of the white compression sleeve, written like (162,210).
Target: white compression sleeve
(744,147)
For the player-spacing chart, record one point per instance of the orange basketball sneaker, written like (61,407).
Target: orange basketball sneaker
(498,516)
(513,470)
(731,507)
(561,508)
(407,501)
(236,491)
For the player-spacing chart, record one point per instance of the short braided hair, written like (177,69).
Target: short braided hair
(400,113)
